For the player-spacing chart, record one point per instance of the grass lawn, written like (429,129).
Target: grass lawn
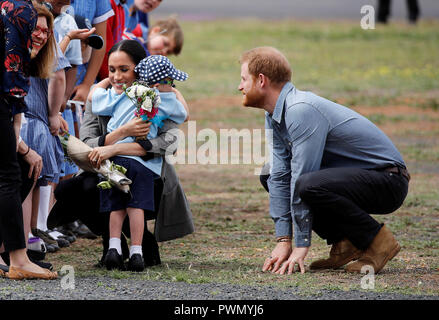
(391,75)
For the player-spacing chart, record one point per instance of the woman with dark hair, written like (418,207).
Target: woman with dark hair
(172,213)
(122,61)
(19,22)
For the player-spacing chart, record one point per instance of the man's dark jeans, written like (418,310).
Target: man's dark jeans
(343,199)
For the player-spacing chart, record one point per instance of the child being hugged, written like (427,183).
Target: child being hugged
(127,63)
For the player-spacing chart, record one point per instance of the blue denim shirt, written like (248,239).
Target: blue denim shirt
(311,133)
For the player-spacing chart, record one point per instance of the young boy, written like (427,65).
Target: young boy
(165,38)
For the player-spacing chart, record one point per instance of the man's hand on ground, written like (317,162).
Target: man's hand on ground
(279,254)
(297,256)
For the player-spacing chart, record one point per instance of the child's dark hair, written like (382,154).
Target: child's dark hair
(132,48)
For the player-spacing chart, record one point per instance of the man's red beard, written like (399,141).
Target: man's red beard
(252,98)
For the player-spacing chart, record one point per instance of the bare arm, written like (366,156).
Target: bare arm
(134,128)
(32,158)
(81,91)
(93,129)
(165,143)
(57,84)
(80,34)
(104,84)
(70,85)
(100,154)
(17,126)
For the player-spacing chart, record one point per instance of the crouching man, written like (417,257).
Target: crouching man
(331,169)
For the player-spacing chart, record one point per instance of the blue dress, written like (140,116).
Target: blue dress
(35,132)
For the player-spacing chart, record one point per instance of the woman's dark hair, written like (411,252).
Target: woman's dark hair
(132,48)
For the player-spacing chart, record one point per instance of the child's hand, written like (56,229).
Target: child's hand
(81,34)
(54,124)
(136,128)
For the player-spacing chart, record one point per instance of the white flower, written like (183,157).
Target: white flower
(157,100)
(140,90)
(131,93)
(147,104)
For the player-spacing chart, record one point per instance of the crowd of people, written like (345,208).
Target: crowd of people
(66,66)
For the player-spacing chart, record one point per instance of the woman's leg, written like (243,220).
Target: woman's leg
(2,262)
(52,196)
(35,206)
(11,213)
(27,214)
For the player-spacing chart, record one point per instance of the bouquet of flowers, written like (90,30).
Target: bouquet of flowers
(146,100)
(78,151)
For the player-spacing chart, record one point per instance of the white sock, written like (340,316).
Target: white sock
(55,234)
(43,208)
(136,249)
(115,244)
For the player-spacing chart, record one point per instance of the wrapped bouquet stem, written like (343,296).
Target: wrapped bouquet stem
(78,151)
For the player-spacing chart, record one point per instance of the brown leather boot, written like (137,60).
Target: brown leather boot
(341,253)
(382,249)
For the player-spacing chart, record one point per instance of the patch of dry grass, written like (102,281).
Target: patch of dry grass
(397,89)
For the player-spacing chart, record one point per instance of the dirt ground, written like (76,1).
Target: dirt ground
(234,233)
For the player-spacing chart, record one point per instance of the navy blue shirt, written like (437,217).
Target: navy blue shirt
(18,20)
(311,133)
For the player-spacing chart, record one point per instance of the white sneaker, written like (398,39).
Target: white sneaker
(36,244)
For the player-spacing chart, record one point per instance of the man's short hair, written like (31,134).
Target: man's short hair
(268,61)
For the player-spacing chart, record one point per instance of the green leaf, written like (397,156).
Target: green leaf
(120,168)
(104,185)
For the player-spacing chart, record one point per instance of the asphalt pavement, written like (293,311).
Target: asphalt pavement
(106,288)
(285,9)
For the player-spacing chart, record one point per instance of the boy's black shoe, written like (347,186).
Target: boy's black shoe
(113,260)
(136,263)
(62,242)
(35,255)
